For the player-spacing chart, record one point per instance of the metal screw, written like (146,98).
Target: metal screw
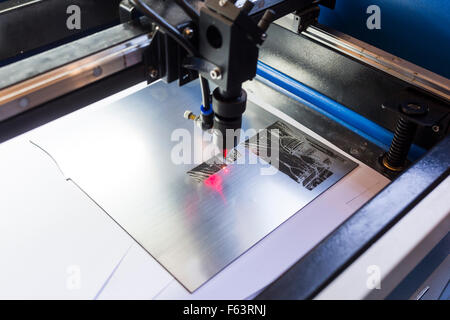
(97,71)
(264,36)
(189,115)
(188,32)
(153,73)
(24,102)
(215,74)
(435,128)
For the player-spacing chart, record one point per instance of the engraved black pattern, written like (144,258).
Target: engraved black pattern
(303,159)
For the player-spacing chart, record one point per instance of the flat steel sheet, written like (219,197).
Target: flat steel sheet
(126,155)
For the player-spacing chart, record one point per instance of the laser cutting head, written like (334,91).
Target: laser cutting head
(228,109)
(229,41)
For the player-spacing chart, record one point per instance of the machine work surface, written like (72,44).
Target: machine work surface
(137,159)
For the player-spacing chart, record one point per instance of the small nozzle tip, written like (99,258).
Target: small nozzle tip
(187,113)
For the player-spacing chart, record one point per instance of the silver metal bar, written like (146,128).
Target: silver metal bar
(381,60)
(33,92)
(20,6)
(372,56)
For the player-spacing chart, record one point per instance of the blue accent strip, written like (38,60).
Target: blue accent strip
(330,108)
(206,112)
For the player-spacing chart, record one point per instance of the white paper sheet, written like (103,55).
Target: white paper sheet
(55,243)
(139,276)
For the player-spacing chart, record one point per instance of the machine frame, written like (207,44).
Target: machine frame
(118,57)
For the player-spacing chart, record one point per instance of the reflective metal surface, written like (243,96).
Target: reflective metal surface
(381,60)
(122,155)
(372,56)
(35,91)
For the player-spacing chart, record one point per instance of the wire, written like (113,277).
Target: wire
(190,11)
(206,93)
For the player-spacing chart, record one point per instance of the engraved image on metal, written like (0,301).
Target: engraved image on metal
(302,158)
(305,160)
(212,166)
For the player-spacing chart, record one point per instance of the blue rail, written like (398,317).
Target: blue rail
(330,108)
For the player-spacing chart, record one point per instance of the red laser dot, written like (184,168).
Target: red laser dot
(215,182)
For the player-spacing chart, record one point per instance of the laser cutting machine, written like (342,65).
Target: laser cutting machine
(92,95)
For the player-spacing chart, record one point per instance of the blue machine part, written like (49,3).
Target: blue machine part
(206,112)
(330,108)
(415,30)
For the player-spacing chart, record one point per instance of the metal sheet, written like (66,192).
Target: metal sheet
(121,156)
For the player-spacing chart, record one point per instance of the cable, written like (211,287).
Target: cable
(190,11)
(206,93)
